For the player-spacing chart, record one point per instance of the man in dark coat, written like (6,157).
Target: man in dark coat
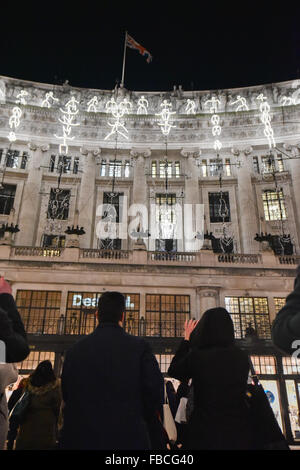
(111,385)
(286,326)
(12,331)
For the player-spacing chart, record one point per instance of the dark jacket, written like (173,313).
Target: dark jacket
(219,371)
(111,386)
(38,431)
(286,326)
(12,330)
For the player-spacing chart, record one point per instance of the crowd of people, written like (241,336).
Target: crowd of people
(112,395)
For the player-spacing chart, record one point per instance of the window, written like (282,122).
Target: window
(274,207)
(127,169)
(113,200)
(40,310)
(280,163)
(103,168)
(166,314)
(1,154)
(255,164)
(227,167)
(24,160)
(58,206)
(291,365)
(249,311)
(204,168)
(154,169)
(268,164)
(64,164)
(165,169)
(7,197)
(264,364)
(215,167)
(177,169)
(166,222)
(81,310)
(219,208)
(53,241)
(52,163)
(76,165)
(115,169)
(109,244)
(279,303)
(12,158)
(34,358)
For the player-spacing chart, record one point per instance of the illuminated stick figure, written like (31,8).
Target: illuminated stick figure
(190,107)
(242,106)
(21,97)
(92,105)
(49,96)
(215,102)
(142,105)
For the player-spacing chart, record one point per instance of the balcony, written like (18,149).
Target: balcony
(204,258)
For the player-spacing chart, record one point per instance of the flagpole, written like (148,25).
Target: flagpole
(124,58)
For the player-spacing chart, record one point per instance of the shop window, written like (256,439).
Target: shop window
(249,312)
(177,169)
(264,365)
(165,169)
(40,310)
(127,169)
(112,210)
(219,207)
(109,244)
(227,167)
(103,167)
(81,313)
(290,365)
(268,164)
(280,164)
(279,303)
(274,205)
(166,314)
(64,164)
(33,360)
(7,198)
(24,160)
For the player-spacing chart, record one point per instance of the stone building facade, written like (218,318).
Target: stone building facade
(66,151)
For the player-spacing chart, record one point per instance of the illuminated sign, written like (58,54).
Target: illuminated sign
(79,301)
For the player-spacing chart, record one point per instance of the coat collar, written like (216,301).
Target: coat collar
(109,325)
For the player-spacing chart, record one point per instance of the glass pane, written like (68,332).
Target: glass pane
(293,408)
(271,389)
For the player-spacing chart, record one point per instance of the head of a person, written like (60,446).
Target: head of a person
(111,307)
(43,374)
(214,329)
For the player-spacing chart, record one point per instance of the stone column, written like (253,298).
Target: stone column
(29,212)
(207,297)
(295,175)
(247,219)
(86,204)
(191,191)
(139,189)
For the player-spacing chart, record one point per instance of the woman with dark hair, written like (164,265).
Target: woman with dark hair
(38,431)
(219,372)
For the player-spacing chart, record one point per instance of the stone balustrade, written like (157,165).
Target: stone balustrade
(204,258)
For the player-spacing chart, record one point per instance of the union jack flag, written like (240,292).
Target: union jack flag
(130,42)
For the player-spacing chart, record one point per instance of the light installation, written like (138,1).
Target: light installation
(92,105)
(265,118)
(15,118)
(49,100)
(117,123)
(241,104)
(166,217)
(215,120)
(68,121)
(142,105)
(190,107)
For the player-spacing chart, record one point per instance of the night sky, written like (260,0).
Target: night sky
(197,47)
